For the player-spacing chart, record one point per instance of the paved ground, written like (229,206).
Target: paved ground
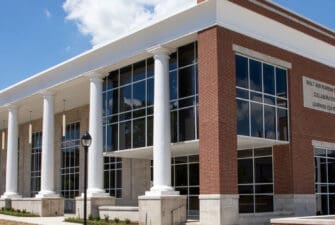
(36,220)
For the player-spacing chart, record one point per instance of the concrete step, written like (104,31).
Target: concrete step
(192,222)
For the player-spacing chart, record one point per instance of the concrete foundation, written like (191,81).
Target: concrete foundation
(121,212)
(93,204)
(40,206)
(304,205)
(219,209)
(283,203)
(5,203)
(261,218)
(162,210)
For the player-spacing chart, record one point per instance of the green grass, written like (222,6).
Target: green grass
(98,221)
(14,212)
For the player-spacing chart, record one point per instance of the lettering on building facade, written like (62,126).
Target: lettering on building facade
(318,95)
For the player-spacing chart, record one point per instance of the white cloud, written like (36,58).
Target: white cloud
(106,20)
(47,13)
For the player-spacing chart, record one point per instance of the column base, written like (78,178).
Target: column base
(95,193)
(44,207)
(162,210)
(5,203)
(93,204)
(162,191)
(47,194)
(10,195)
(219,209)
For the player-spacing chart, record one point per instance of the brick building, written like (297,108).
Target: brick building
(223,114)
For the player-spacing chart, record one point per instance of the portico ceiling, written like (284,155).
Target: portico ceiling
(75,92)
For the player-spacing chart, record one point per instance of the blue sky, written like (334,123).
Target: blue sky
(35,34)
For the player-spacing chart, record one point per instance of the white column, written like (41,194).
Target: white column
(12,155)
(48,160)
(162,138)
(95,152)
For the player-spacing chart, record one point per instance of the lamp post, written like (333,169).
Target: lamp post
(86,141)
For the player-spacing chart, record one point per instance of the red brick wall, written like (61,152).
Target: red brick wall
(282,168)
(217,114)
(218,144)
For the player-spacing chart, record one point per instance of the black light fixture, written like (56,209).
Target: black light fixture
(86,141)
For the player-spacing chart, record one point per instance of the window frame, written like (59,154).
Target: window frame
(264,95)
(254,183)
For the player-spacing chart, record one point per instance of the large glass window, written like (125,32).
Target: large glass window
(324,180)
(70,148)
(185,179)
(129,96)
(261,98)
(255,180)
(36,153)
(113,176)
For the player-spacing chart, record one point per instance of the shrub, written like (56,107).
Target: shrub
(116,220)
(106,218)
(90,217)
(127,221)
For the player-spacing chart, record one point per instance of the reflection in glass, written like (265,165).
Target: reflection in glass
(139,100)
(282,124)
(138,134)
(186,124)
(256,111)
(281,83)
(242,117)
(125,99)
(270,122)
(187,82)
(125,135)
(125,75)
(269,79)
(255,75)
(139,71)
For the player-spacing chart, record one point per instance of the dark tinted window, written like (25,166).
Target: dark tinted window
(187,82)
(125,75)
(270,122)
(242,117)
(255,75)
(125,98)
(245,171)
(186,124)
(282,124)
(139,133)
(186,55)
(242,72)
(125,135)
(281,83)
(139,100)
(256,120)
(139,71)
(269,79)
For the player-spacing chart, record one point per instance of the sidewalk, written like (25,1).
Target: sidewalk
(39,220)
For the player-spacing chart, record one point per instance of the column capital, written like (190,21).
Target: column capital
(160,50)
(12,107)
(94,76)
(47,93)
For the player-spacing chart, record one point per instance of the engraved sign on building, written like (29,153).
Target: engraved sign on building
(319,95)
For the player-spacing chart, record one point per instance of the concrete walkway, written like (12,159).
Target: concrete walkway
(39,220)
